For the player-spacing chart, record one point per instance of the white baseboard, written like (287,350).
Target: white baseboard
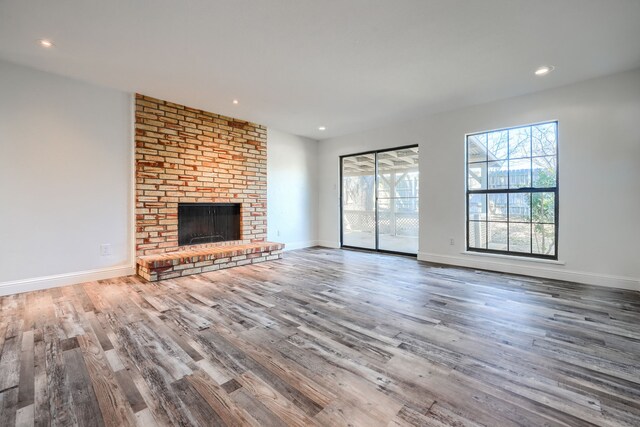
(45,282)
(328,244)
(557,273)
(300,245)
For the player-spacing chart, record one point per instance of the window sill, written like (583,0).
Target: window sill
(514,257)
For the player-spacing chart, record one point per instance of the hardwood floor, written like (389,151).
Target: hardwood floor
(322,337)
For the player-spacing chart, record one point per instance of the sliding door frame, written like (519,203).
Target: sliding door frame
(375,204)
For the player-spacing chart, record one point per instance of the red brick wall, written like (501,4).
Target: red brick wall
(189,155)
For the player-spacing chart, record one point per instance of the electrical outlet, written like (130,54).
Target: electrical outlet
(278,233)
(105,249)
(452,241)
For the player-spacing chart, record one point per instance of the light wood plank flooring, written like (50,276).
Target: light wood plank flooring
(323,337)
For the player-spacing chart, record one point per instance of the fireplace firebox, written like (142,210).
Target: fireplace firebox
(208,223)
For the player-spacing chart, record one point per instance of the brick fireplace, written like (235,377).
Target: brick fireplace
(189,156)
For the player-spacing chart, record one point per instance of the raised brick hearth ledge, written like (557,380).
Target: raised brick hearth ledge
(203,259)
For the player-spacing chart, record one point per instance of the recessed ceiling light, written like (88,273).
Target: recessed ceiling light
(544,70)
(322,128)
(235,101)
(46,43)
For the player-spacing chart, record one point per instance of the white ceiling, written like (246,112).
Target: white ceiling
(346,64)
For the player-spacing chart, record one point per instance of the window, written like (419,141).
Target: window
(512,191)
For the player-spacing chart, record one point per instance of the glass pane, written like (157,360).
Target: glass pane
(544,172)
(398,173)
(398,225)
(520,207)
(544,140)
(520,142)
(520,237)
(497,175)
(398,160)
(544,239)
(497,236)
(519,173)
(477,176)
(401,183)
(497,145)
(478,234)
(543,207)
(477,206)
(398,187)
(358,201)
(497,207)
(384,187)
(477,148)
(408,185)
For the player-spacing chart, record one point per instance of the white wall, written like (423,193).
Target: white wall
(292,189)
(65,180)
(599,155)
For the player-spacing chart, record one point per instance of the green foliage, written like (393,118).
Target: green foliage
(543,209)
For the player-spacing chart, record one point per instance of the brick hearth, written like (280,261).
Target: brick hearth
(170,265)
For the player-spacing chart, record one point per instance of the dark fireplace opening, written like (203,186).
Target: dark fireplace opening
(208,223)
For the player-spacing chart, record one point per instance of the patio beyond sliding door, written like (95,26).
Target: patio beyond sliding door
(379,202)
(359,201)
(398,200)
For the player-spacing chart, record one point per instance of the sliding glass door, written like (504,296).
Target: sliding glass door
(379,201)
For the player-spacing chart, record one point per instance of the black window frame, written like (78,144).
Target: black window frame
(508,191)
